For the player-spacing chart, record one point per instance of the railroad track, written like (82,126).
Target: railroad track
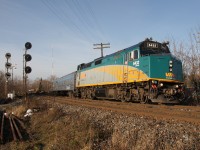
(189,114)
(10,128)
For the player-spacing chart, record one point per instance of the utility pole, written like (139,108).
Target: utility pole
(102,46)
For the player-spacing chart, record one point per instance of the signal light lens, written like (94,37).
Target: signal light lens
(28,69)
(8,65)
(28,45)
(28,57)
(8,55)
(7,74)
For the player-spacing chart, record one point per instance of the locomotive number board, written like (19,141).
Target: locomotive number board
(152,45)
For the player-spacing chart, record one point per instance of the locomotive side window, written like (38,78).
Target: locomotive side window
(131,56)
(125,57)
(98,62)
(135,54)
(88,65)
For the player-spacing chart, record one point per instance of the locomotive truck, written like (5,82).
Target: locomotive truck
(145,72)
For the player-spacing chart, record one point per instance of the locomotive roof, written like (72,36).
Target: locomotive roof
(119,51)
(128,48)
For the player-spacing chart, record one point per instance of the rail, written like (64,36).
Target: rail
(10,128)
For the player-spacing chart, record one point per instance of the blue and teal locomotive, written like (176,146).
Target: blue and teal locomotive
(145,72)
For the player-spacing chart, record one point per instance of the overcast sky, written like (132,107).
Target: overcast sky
(62,32)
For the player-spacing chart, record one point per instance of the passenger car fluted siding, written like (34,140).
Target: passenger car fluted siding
(65,83)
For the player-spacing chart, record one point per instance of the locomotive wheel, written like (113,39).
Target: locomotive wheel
(89,94)
(123,100)
(83,95)
(127,97)
(93,97)
(144,100)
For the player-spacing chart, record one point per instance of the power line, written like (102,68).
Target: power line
(62,17)
(90,9)
(102,46)
(78,12)
(86,15)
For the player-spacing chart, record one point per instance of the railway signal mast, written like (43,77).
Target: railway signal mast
(7,74)
(26,69)
(102,46)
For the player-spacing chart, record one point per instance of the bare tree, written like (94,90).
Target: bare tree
(189,54)
(40,84)
(18,86)
(2,84)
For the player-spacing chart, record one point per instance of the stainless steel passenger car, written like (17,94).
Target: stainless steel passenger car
(65,85)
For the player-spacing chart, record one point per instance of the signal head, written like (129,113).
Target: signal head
(7,74)
(8,55)
(28,45)
(8,65)
(28,69)
(28,57)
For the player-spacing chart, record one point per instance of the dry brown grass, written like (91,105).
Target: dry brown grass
(53,129)
(56,130)
(19,110)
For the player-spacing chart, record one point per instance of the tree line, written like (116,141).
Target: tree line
(189,53)
(37,85)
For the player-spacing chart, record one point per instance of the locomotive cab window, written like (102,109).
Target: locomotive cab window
(135,54)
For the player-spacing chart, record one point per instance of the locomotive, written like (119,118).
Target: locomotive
(145,72)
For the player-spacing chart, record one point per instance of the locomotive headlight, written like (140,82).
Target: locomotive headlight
(177,86)
(161,84)
(154,81)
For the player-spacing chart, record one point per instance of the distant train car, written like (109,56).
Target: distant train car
(65,85)
(145,72)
